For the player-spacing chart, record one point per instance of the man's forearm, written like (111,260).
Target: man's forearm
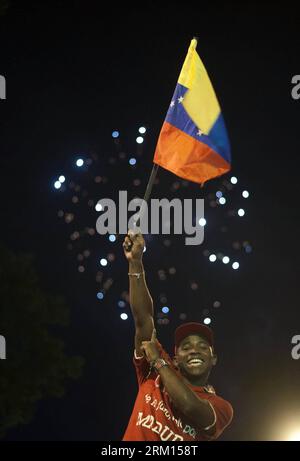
(140,299)
(185,400)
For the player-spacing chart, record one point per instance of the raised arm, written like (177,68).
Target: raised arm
(140,299)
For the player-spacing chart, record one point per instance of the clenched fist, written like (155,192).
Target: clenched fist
(133,246)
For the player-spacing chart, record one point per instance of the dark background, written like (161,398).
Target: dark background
(75,73)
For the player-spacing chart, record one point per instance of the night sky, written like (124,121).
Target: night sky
(76,74)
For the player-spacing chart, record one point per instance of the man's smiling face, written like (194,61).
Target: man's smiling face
(195,358)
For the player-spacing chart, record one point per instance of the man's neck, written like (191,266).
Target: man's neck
(200,381)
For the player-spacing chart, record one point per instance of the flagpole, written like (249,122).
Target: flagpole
(147,194)
(145,201)
(151,182)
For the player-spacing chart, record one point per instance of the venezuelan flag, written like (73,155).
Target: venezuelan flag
(193,142)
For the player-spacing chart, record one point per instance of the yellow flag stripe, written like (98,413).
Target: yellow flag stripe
(200,101)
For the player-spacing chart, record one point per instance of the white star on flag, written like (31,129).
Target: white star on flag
(199,132)
(180,99)
(172,103)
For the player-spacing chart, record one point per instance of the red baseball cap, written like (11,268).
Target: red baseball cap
(193,328)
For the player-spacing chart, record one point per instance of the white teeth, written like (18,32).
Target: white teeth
(195,362)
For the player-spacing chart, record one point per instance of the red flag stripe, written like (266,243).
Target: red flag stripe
(187,157)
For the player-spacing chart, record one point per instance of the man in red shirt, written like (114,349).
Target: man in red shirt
(174,401)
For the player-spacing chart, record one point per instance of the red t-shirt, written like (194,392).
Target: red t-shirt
(154,418)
